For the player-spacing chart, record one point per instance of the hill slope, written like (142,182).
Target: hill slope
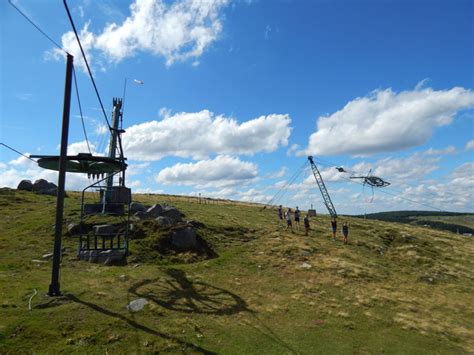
(449,221)
(395,288)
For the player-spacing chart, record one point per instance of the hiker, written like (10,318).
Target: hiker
(297,218)
(345,231)
(288,220)
(334,228)
(306,224)
(280,216)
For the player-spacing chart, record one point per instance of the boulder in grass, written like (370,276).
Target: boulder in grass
(74,229)
(154,211)
(44,187)
(172,213)
(137,207)
(164,221)
(25,185)
(184,238)
(105,229)
(137,305)
(140,214)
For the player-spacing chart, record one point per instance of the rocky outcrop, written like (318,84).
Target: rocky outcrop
(42,186)
(184,238)
(25,185)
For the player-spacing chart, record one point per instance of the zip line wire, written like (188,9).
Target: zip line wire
(38,28)
(56,44)
(16,151)
(87,65)
(80,108)
(282,191)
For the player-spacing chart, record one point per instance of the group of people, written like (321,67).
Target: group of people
(297,213)
(289,223)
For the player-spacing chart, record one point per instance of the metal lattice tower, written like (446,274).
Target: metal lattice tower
(322,188)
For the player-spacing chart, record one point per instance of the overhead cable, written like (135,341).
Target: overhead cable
(87,64)
(80,109)
(37,27)
(16,151)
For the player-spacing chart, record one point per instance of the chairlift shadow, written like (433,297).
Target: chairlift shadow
(177,293)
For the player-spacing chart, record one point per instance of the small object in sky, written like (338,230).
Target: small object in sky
(341,169)
(138,81)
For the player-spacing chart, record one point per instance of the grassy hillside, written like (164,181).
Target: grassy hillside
(449,221)
(394,289)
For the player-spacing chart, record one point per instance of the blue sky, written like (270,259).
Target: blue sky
(236,94)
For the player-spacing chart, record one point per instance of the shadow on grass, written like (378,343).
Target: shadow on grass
(177,293)
(137,325)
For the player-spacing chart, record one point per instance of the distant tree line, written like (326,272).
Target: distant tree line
(412,217)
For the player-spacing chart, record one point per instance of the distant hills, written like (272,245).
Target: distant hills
(449,221)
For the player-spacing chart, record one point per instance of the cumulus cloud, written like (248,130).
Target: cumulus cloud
(387,121)
(80,147)
(197,135)
(280,173)
(69,43)
(448,150)
(223,171)
(469,145)
(177,31)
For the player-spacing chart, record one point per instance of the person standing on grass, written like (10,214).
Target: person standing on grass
(334,228)
(345,231)
(288,220)
(306,224)
(280,216)
(297,218)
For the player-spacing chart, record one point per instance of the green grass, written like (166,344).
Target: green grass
(394,289)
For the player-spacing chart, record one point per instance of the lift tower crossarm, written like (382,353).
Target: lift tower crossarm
(322,188)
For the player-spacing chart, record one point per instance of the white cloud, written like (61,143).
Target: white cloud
(177,31)
(448,150)
(469,145)
(101,129)
(200,134)
(80,147)
(223,171)
(292,150)
(280,173)
(69,43)
(413,168)
(387,121)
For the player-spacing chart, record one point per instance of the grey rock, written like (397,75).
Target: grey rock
(50,192)
(43,185)
(137,207)
(305,266)
(105,229)
(25,185)
(164,221)
(74,228)
(184,238)
(137,305)
(140,215)
(154,211)
(172,213)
